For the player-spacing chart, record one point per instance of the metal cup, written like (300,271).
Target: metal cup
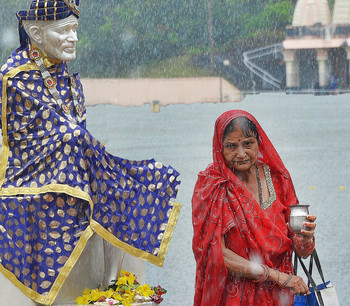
(297,217)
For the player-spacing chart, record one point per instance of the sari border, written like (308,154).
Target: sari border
(5,146)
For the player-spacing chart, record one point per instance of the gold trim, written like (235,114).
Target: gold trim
(101,231)
(156,260)
(72,6)
(169,230)
(270,187)
(5,147)
(67,268)
(13,279)
(62,276)
(48,188)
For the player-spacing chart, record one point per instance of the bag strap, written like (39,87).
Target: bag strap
(295,265)
(318,265)
(311,264)
(311,280)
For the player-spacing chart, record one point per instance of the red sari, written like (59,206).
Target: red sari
(222,206)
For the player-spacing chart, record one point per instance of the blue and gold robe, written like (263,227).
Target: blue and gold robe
(59,185)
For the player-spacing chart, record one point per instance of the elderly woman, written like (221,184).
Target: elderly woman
(241,242)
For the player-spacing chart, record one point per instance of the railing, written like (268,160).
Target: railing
(249,56)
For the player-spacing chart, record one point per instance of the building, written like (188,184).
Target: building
(317,46)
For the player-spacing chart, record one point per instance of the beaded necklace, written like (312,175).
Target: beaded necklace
(51,83)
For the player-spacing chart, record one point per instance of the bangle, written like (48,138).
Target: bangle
(308,247)
(277,281)
(264,276)
(287,281)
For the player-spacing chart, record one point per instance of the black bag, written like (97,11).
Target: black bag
(321,295)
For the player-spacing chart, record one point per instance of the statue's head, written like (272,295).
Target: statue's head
(52,27)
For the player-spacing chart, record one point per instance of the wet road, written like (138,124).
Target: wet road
(311,133)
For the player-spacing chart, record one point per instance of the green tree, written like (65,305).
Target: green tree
(118,36)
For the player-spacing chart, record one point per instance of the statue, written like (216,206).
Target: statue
(70,213)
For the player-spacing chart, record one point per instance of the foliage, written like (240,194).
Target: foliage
(118,36)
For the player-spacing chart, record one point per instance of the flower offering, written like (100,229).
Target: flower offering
(126,290)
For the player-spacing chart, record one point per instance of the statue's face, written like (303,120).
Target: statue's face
(59,39)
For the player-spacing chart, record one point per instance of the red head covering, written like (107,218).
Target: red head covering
(221,202)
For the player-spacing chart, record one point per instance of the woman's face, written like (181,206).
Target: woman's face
(239,151)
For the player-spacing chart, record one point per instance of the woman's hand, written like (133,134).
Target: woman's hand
(304,243)
(310,226)
(295,284)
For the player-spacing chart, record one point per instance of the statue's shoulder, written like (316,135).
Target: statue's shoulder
(17,60)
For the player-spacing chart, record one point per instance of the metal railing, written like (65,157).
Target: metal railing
(249,56)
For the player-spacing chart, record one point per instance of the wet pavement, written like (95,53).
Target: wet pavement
(312,135)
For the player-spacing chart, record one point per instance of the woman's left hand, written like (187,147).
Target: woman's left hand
(310,226)
(304,243)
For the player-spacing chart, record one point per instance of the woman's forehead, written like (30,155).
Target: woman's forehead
(239,135)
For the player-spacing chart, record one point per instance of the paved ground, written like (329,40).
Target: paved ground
(311,133)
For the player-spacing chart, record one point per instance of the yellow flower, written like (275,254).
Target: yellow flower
(109,293)
(82,300)
(117,297)
(127,280)
(127,288)
(125,273)
(86,291)
(95,294)
(129,296)
(145,290)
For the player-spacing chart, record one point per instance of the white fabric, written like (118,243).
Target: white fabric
(329,296)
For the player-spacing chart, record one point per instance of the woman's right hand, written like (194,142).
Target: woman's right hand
(296,284)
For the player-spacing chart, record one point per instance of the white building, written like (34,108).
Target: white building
(317,45)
